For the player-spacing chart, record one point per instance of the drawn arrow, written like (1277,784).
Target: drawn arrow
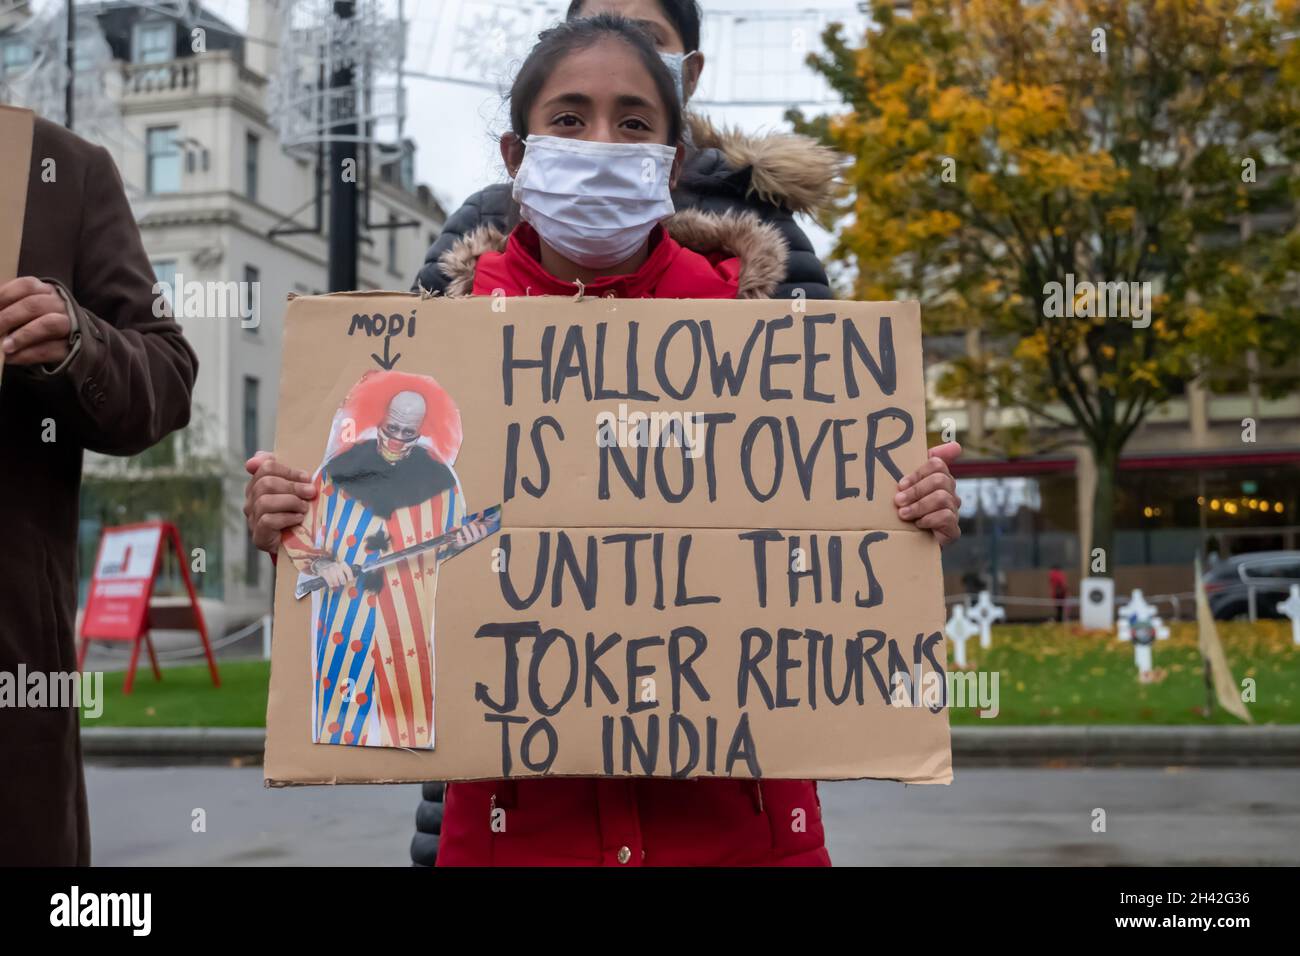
(386,363)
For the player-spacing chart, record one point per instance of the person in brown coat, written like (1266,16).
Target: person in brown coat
(85,351)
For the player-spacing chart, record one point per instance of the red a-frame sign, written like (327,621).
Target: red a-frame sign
(121,588)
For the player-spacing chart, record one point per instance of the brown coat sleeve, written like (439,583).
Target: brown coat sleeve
(129,384)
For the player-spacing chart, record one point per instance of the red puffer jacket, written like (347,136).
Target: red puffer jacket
(633,821)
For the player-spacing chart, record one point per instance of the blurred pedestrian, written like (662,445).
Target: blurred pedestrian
(1060,588)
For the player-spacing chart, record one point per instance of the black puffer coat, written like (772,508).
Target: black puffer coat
(775,176)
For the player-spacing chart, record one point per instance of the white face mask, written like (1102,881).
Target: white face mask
(676,63)
(594,203)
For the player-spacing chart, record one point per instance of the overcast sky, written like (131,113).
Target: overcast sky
(456,124)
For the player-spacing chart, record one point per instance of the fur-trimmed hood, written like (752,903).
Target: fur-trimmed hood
(787,169)
(760,247)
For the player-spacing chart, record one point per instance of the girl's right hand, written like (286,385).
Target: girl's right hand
(276,498)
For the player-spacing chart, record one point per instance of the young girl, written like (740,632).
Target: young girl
(594,148)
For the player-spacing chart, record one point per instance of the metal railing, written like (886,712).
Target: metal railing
(174,75)
(263,624)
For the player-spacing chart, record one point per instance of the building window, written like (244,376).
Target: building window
(764,69)
(153,43)
(392,243)
(15,55)
(252,297)
(250,166)
(163,156)
(165,271)
(251,441)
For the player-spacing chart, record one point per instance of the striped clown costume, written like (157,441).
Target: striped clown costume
(389,489)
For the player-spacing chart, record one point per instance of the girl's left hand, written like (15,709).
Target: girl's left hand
(928,496)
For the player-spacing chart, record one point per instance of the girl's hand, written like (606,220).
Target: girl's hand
(276,498)
(928,496)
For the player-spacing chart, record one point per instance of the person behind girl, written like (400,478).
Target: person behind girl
(592,108)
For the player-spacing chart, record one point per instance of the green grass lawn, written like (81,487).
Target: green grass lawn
(185,697)
(1047,674)
(1056,674)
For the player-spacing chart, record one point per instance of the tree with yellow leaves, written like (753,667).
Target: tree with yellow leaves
(1105,190)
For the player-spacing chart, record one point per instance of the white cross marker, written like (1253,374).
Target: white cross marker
(1291,608)
(1138,622)
(960,629)
(984,612)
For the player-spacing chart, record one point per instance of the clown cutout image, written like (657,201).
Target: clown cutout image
(388,508)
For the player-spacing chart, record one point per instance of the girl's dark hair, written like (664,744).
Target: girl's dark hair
(569,37)
(684,15)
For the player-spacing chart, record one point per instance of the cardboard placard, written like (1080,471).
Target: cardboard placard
(746,603)
(16,128)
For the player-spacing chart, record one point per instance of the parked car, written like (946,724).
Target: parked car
(1269,574)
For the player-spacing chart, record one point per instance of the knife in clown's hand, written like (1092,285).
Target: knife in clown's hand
(490,518)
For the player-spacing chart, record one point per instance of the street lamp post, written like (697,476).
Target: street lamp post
(343,156)
(71,55)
